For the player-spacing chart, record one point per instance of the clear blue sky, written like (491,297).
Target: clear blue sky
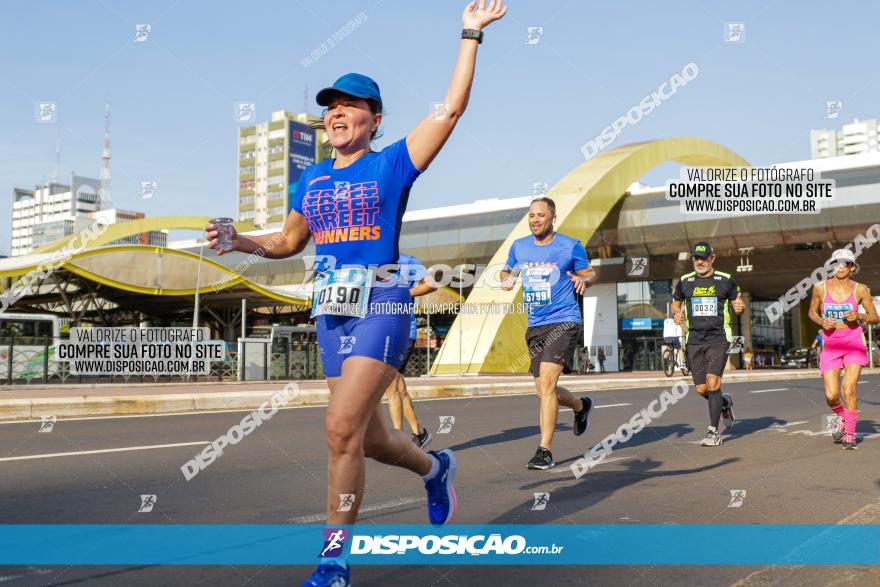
(531,108)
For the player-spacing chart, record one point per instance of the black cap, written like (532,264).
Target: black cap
(702,249)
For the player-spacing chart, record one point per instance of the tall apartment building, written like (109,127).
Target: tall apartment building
(271,157)
(859,136)
(55,210)
(56,203)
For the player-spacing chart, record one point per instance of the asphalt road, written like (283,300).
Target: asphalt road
(777,453)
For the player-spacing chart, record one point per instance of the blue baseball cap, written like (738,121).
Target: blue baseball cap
(351,84)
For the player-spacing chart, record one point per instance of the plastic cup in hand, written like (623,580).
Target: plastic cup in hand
(223,226)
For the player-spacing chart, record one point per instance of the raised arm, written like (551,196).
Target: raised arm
(426,139)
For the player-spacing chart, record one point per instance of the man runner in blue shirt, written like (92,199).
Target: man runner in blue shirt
(554,268)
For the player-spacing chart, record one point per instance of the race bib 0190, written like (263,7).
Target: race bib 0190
(342,292)
(704,306)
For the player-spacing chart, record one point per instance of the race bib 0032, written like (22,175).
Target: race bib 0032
(704,306)
(342,292)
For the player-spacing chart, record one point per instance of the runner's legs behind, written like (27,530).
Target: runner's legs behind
(400,404)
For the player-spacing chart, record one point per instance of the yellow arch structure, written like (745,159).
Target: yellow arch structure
(491,343)
(128,228)
(143,269)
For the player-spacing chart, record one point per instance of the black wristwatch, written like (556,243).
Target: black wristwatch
(472,34)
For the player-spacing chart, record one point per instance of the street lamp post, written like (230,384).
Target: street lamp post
(196,310)
(460,326)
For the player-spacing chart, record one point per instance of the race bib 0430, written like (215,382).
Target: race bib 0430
(704,306)
(342,292)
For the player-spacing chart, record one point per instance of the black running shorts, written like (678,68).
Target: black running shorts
(707,359)
(552,343)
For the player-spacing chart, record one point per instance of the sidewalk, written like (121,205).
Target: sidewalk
(35,401)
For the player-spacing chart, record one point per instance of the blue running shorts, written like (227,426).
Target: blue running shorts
(383,334)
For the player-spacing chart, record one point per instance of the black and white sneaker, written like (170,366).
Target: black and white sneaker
(582,418)
(727,417)
(543,459)
(422,440)
(712,438)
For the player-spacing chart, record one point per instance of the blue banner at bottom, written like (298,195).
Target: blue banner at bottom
(718,544)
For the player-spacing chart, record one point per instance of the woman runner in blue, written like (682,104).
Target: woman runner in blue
(353,206)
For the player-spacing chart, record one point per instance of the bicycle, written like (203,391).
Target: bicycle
(671,362)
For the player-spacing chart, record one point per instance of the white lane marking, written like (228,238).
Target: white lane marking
(315,518)
(768,390)
(597,407)
(192,413)
(4,578)
(781,428)
(605,462)
(104,450)
(814,433)
(787,424)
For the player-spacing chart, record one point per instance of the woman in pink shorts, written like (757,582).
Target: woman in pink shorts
(835,307)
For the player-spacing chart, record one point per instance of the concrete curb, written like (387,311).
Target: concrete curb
(83,405)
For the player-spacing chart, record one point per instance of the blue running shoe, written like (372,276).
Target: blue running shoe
(329,574)
(441,493)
